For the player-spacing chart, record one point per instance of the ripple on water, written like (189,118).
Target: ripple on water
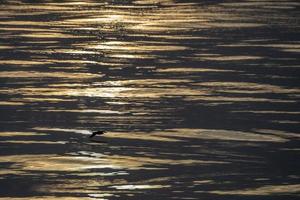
(196,96)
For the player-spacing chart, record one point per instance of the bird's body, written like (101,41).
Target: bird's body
(97,133)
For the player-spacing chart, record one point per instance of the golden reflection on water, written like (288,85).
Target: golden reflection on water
(84,161)
(135,89)
(81,163)
(22,62)
(121,92)
(11,134)
(188,91)
(9,103)
(35,74)
(175,135)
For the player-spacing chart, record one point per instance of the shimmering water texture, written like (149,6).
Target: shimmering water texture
(200,99)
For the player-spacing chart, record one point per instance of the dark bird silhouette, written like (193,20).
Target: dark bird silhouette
(97,133)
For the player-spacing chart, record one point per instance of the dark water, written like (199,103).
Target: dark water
(200,99)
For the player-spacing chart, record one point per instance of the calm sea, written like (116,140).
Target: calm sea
(200,99)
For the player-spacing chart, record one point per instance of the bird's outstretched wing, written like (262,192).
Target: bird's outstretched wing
(97,132)
(93,134)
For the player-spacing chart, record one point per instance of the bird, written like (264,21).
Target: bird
(97,133)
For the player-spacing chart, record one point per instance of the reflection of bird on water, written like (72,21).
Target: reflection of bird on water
(97,133)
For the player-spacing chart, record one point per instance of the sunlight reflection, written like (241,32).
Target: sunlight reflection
(197,98)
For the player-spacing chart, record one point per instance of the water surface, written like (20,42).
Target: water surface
(200,99)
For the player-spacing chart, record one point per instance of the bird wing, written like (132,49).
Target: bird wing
(93,134)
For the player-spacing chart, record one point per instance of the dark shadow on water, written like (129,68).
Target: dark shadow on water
(98,141)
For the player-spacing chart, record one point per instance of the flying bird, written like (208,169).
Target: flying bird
(97,133)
